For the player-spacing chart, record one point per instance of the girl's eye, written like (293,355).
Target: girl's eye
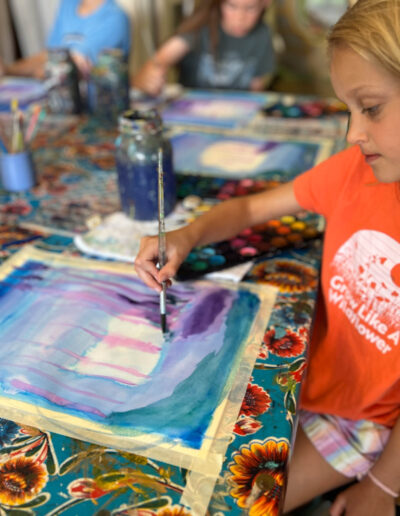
(371,111)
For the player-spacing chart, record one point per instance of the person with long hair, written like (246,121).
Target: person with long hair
(224,44)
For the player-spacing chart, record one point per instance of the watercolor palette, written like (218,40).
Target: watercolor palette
(263,240)
(267,239)
(291,107)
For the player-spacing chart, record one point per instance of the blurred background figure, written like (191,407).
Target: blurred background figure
(85,27)
(223,44)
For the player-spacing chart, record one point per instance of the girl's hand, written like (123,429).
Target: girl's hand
(178,247)
(151,78)
(152,75)
(83,64)
(361,499)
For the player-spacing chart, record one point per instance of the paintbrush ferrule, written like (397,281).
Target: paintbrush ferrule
(163,314)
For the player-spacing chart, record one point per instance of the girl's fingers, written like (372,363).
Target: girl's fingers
(147,272)
(170,269)
(147,278)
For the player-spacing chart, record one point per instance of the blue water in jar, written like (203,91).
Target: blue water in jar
(138,186)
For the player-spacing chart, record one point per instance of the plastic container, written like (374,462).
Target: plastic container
(17,171)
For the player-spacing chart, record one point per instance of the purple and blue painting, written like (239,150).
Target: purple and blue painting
(25,90)
(238,157)
(81,339)
(225,110)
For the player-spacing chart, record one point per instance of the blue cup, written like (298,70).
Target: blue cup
(17,171)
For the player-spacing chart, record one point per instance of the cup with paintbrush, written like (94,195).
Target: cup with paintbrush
(17,167)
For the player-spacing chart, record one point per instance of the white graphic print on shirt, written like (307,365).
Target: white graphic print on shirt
(365,285)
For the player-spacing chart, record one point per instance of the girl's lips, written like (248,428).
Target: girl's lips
(371,157)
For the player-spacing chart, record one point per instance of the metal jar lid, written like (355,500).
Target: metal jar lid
(136,121)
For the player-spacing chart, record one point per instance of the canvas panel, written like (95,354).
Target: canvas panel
(82,354)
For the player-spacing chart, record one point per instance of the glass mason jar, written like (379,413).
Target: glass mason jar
(62,79)
(137,146)
(108,94)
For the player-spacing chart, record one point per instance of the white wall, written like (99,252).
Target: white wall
(7,47)
(33,20)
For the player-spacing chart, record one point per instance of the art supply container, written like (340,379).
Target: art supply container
(62,81)
(108,92)
(141,136)
(17,171)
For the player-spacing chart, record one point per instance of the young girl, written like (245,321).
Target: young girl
(350,400)
(85,27)
(224,44)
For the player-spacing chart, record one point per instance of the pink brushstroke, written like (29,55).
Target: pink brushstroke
(66,387)
(53,398)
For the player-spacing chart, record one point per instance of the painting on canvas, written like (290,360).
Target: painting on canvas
(238,157)
(82,353)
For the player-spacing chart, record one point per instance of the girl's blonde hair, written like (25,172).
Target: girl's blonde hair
(372,29)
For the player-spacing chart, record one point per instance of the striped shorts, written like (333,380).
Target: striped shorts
(350,447)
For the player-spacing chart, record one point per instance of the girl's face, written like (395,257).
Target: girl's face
(238,17)
(372,95)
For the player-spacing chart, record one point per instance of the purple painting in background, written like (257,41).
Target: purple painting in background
(225,110)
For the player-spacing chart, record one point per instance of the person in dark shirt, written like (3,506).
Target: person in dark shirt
(224,44)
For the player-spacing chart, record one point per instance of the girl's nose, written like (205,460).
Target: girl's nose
(356,132)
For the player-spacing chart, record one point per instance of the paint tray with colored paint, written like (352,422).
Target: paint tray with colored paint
(267,239)
(305,107)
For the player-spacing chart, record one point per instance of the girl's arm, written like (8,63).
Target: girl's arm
(151,77)
(31,66)
(222,222)
(366,497)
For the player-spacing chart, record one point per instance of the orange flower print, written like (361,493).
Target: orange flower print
(287,275)
(21,479)
(256,401)
(258,473)
(290,345)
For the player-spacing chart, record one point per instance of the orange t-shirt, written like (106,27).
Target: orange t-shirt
(354,366)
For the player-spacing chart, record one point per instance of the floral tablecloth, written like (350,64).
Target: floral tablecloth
(46,473)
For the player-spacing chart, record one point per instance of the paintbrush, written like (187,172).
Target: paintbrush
(33,123)
(161,240)
(17,140)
